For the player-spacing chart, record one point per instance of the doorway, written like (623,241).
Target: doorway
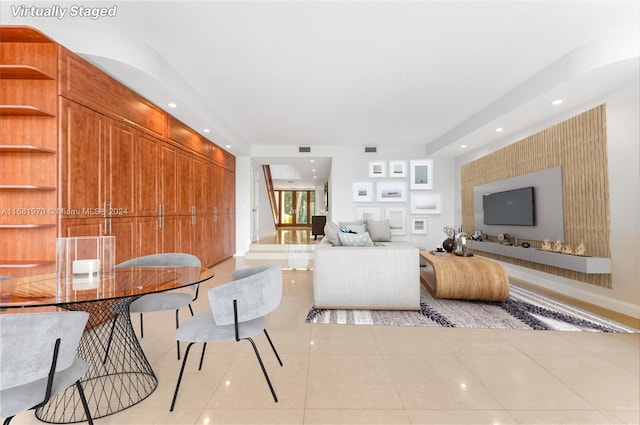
(295,207)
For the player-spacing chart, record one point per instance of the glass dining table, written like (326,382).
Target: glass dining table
(119,374)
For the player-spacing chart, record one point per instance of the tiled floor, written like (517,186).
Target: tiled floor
(338,374)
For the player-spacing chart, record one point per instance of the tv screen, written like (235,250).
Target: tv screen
(512,207)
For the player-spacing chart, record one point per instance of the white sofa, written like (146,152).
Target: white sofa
(385,277)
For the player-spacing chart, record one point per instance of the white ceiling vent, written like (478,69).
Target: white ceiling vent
(304,149)
(370,149)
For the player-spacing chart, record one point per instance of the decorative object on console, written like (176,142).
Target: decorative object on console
(546,245)
(525,244)
(580,250)
(449,244)
(557,247)
(567,249)
(461,247)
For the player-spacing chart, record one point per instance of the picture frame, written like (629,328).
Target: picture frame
(397,168)
(377,169)
(362,191)
(391,191)
(368,213)
(425,203)
(420,225)
(421,174)
(397,217)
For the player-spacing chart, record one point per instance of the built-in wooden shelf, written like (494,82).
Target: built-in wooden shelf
(577,263)
(24,149)
(25,187)
(24,264)
(23,72)
(26,226)
(23,111)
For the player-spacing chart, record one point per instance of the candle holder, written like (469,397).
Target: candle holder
(463,247)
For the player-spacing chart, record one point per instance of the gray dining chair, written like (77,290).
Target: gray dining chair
(163,301)
(238,311)
(38,359)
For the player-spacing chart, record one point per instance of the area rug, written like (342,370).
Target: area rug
(524,309)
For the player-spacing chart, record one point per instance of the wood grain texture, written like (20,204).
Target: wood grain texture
(579,146)
(468,278)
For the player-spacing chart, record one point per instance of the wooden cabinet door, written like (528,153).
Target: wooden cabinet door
(184,184)
(199,179)
(121,166)
(202,239)
(147,173)
(82,166)
(184,234)
(147,236)
(126,239)
(169,234)
(168,176)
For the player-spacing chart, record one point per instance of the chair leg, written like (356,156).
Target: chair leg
(191,309)
(113,328)
(84,402)
(204,347)
(264,371)
(273,347)
(184,362)
(7,420)
(141,327)
(177,326)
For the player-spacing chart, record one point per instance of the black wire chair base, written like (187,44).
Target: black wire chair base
(119,374)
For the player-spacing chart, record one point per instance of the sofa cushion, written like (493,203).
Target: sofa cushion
(358,239)
(331,231)
(379,230)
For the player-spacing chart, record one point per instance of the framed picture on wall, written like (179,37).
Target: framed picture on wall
(425,203)
(391,191)
(397,168)
(362,192)
(368,213)
(397,217)
(419,225)
(377,169)
(421,174)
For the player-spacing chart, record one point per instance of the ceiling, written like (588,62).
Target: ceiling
(436,74)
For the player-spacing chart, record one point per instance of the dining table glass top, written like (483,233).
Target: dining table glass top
(48,290)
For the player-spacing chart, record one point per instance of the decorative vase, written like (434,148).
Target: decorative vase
(449,244)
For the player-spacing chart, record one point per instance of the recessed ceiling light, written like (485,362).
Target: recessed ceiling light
(313,171)
(463,146)
(499,129)
(172,105)
(556,102)
(206,130)
(312,160)
(228,146)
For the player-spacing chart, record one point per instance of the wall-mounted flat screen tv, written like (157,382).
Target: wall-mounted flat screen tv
(512,207)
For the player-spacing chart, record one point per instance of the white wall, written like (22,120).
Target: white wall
(623,141)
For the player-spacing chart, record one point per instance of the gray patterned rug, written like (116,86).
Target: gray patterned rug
(524,309)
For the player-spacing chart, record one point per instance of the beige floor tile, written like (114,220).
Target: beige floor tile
(477,340)
(355,417)
(343,339)
(244,386)
(348,381)
(408,340)
(437,381)
(628,417)
(566,417)
(460,417)
(251,416)
(517,382)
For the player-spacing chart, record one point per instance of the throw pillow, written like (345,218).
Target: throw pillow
(356,228)
(379,230)
(358,239)
(331,231)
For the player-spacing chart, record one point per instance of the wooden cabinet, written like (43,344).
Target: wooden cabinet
(83,155)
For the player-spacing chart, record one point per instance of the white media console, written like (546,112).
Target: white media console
(583,264)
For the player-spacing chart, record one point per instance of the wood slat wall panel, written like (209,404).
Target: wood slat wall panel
(579,145)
